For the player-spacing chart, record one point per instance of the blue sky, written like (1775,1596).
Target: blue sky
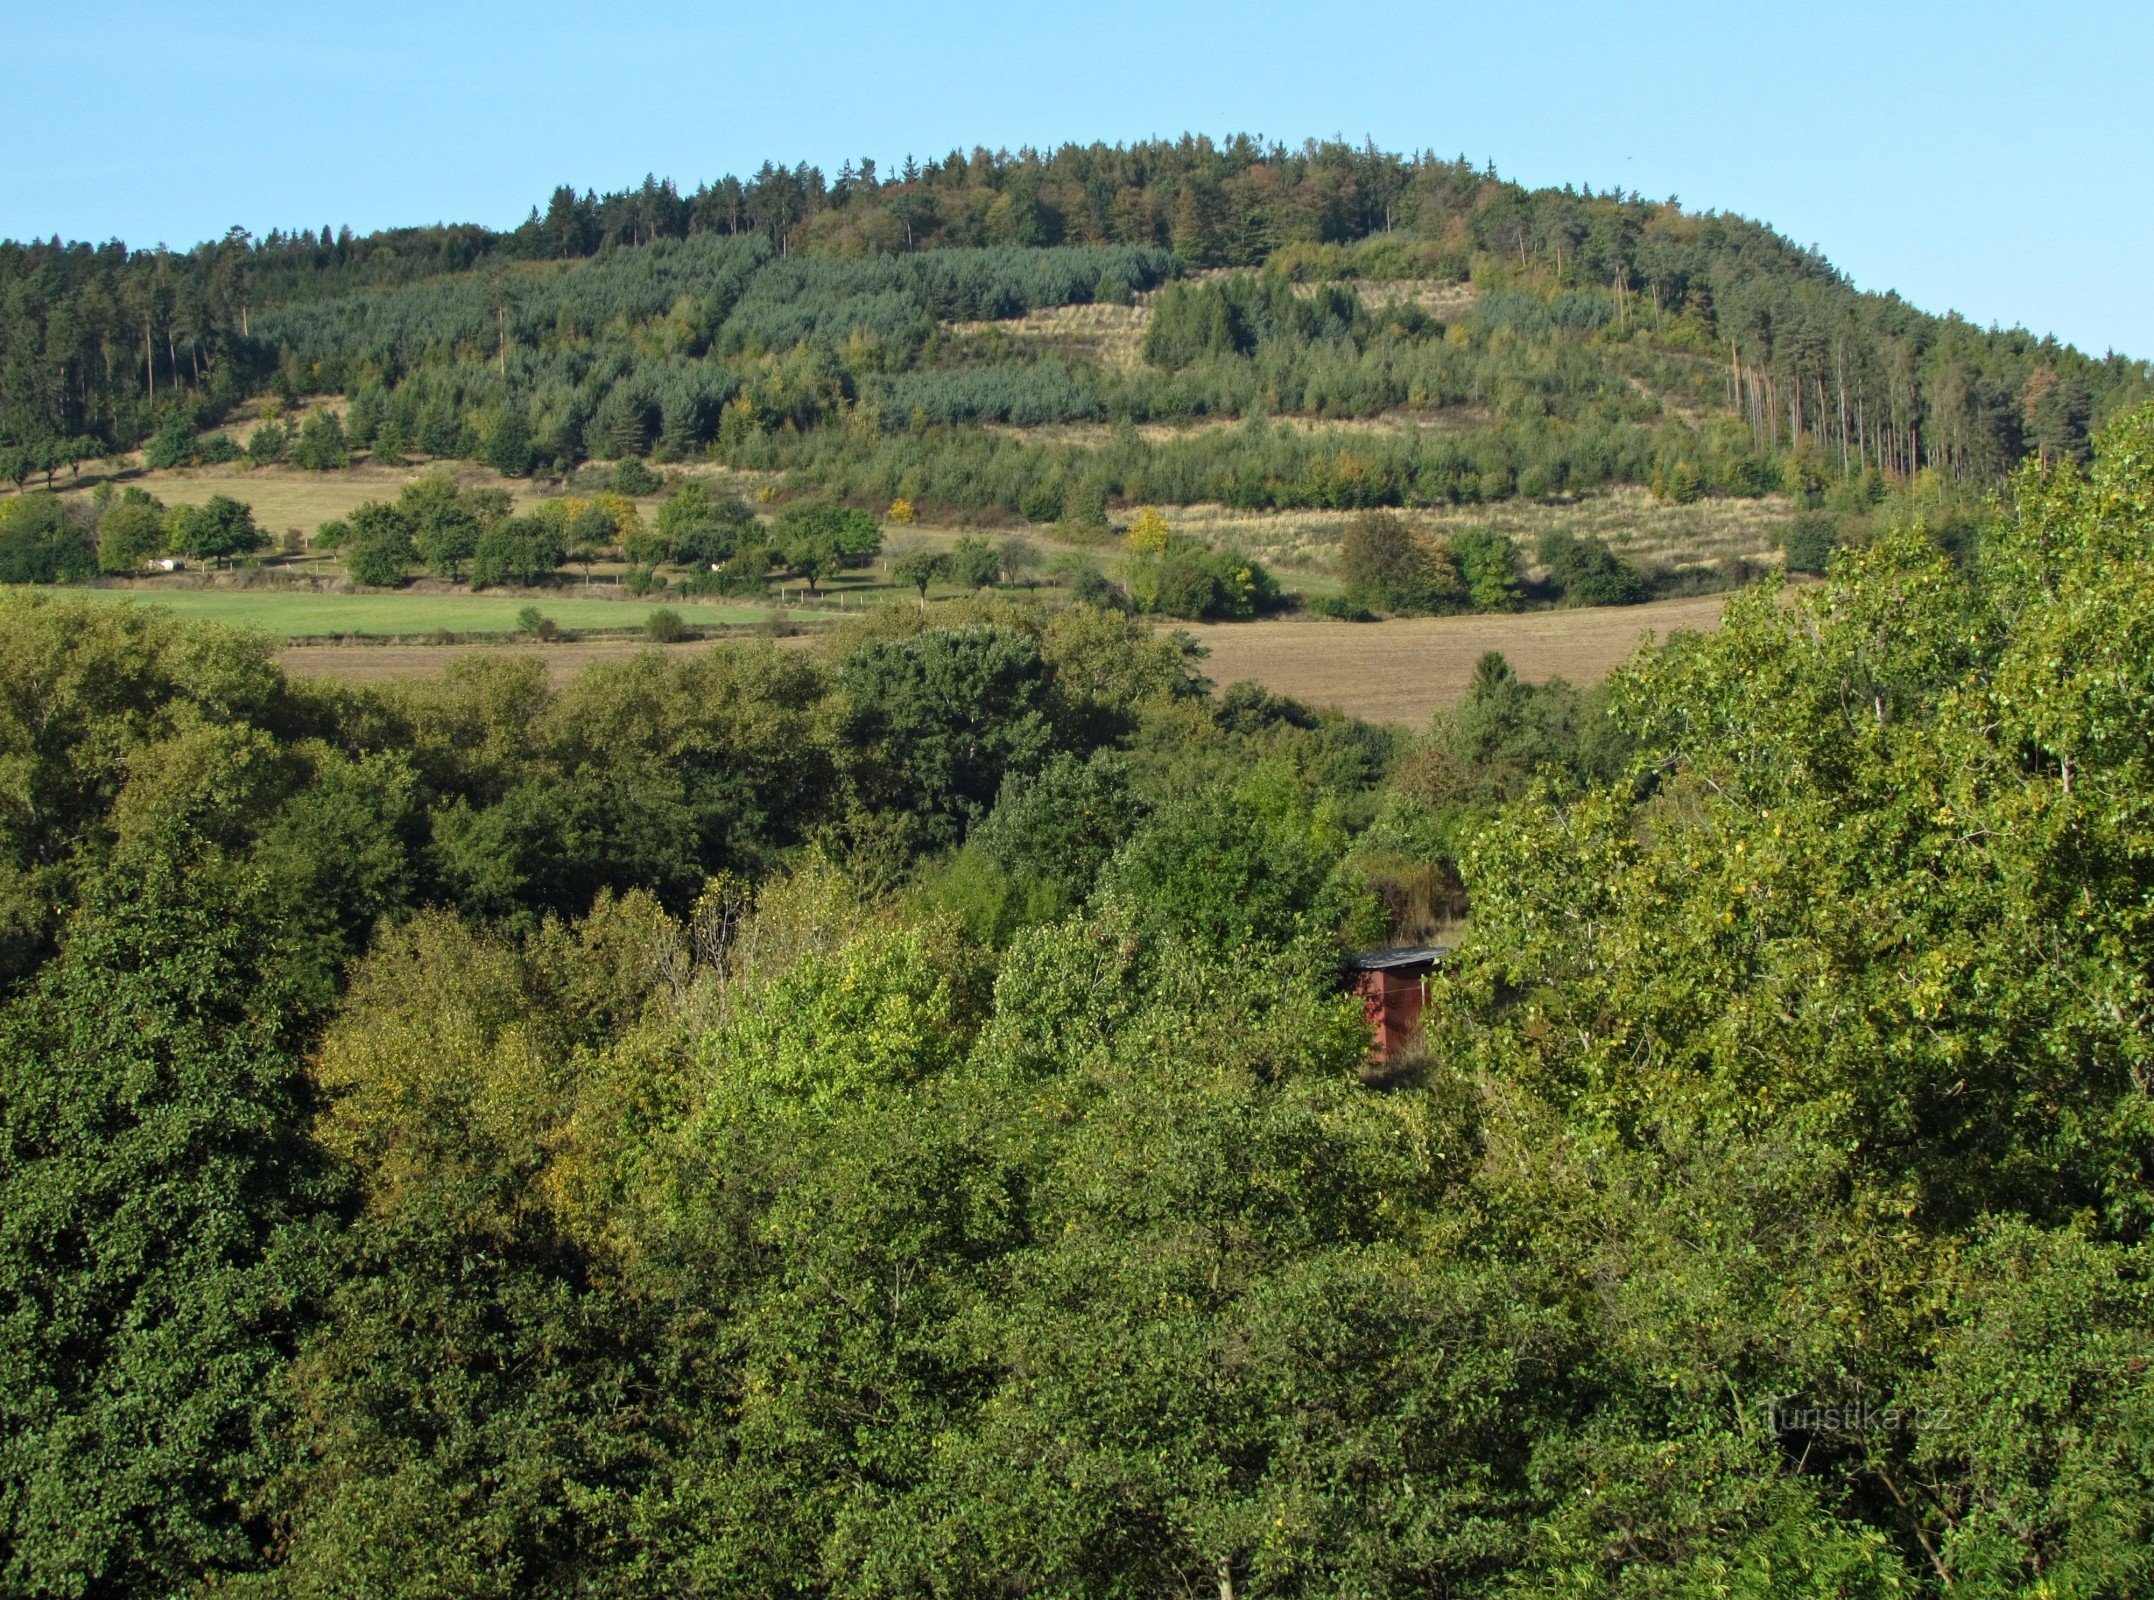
(1992,159)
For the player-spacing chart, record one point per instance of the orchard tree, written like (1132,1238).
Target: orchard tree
(220,530)
(920,568)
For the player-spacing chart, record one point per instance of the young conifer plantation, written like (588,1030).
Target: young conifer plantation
(1263,328)
(883,1115)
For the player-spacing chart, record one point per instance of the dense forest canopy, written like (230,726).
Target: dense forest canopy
(823,325)
(884,1114)
(886,1119)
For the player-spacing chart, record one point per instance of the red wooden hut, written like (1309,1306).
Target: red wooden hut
(1393,985)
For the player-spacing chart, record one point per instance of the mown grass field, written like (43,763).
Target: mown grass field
(1399,672)
(1405,670)
(287,614)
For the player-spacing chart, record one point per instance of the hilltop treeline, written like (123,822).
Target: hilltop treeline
(886,1120)
(629,322)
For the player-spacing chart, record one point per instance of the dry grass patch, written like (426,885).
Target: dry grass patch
(1633,523)
(1442,298)
(283,498)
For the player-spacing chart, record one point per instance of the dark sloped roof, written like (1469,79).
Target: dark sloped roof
(1402,955)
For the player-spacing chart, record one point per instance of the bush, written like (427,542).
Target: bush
(1488,566)
(1810,542)
(530,620)
(517,550)
(1390,567)
(216,449)
(666,626)
(1337,607)
(632,477)
(172,445)
(268,444)
(973,564)
(40,543)
(1092,587)
(1199,584)
(1585,572)
(321,446)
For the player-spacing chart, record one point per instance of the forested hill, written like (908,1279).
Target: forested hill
(1536,340)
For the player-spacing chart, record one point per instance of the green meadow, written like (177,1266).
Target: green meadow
(293,614)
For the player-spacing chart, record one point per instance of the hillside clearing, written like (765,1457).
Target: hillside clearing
(1634,524)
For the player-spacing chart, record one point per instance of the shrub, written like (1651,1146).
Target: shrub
(1202,585)
(321,446)
(534,622)
(1391,567)
(666,626)
(518,550)
(268,444)
(1488,566)
(1337,607)
(973,564)
(172,445)
(1585,572)
(1810,542)
(40,543)
(1092,587)
(632,477)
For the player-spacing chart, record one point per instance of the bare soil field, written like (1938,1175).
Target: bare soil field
(1403,671)
(1400,671)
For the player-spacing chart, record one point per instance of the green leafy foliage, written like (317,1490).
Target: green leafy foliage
(887,1117)
(219,529)
(817,539)
(130,530)
(1585,572)
(517,550)
(942,718)
(41,543)
(1391,568)
(321,446)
